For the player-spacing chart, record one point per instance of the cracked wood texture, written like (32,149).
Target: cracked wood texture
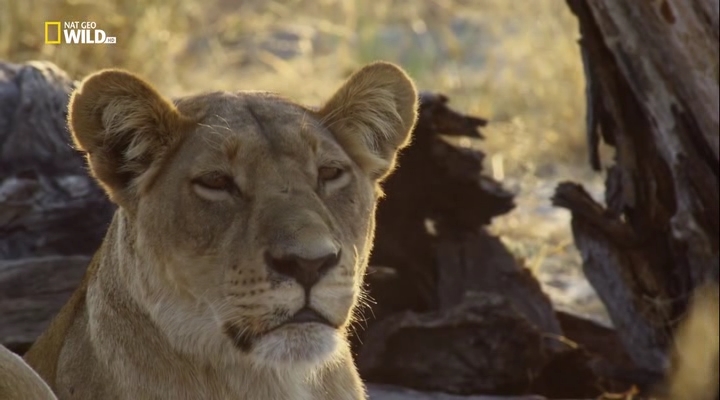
(652,94)
(48,203)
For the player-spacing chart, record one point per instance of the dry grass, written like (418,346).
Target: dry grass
(516,63)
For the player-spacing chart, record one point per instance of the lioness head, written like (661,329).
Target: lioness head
(246,219)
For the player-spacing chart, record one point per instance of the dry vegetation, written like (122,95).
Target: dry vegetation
(516,63)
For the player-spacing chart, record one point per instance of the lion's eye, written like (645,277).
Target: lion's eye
(215,181)
(329,173)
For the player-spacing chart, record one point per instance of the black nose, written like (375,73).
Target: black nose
(305,271)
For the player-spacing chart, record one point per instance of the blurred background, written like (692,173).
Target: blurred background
(515,63)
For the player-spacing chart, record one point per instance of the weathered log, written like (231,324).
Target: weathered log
(652,73)
(48,203)
(479,262)
(32,291)
(436,183)
(482,345)
(44,215)
(604,355)
(33,128)
(440,254)
(384,392)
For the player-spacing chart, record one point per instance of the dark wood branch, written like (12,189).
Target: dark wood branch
(654,98)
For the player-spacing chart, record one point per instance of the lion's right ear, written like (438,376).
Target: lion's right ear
(123,125)
(372,116)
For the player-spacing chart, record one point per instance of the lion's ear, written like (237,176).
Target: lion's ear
(123,125)
(372,116)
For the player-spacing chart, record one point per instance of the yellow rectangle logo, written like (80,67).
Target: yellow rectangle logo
(47,33)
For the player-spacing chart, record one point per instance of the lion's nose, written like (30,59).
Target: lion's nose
(306,271)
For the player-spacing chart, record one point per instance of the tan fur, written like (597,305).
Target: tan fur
(18,381)
(219,195)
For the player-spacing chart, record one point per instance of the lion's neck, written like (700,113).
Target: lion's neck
(152,345)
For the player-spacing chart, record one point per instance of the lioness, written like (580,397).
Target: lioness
(235,259)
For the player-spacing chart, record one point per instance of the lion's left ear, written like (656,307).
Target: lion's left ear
(123,125)
(372,115)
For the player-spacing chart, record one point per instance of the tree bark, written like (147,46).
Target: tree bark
(449,350)
(459,314)
(652,93)
(32,291)
(48,203)
(383,392)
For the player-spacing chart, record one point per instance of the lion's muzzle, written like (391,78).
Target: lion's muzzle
(306,271)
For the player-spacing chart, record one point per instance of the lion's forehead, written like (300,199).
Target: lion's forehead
(255,136)
(248,113)
(257,123)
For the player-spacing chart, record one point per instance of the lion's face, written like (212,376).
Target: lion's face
(251,217)
(271,222)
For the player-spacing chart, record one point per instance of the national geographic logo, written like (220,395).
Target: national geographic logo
(75,32)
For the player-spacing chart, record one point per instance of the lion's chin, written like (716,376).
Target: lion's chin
(310,344)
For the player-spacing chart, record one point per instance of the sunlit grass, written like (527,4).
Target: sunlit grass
(516,63)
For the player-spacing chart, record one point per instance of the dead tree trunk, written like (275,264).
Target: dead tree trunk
(652,94)
(48,203)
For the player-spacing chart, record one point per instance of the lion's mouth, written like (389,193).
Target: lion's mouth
(306,315)
(244,339)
